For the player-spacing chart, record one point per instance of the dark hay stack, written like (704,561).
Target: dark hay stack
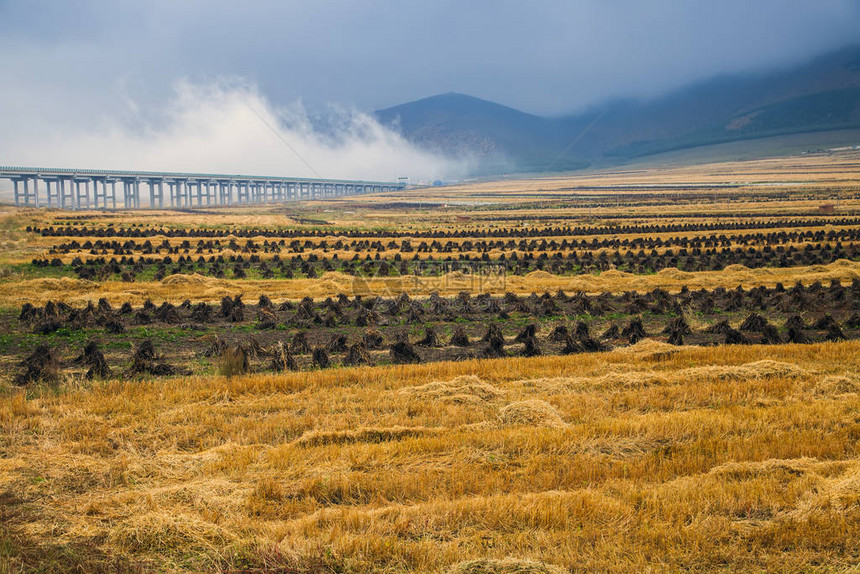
(357,355)
(215,347)
(719,328)
(104,306)
(266,318)
(93,358)
(796,335)
(581,331)
(825,323)
(233,361)
(47,325)
(167,313)
(734,337)
(558,334)
(459,338)
(264,302)
(28,313)
(531,348)
(114,326)
(613,332)
(571,346)
(754,323)
(299,345)
(795,322)
(431,339)
(282,360)
(50,310)
(495,343)
(145,361)
(320,358)
(372,339)
(41,365)
(403,353)
(126,309)
(769,335)
(834,333)
(237,315)
(226,307)
(201,313)
(634,331)
(528,332)
(337,344)
(142,318)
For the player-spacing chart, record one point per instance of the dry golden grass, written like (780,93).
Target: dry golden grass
(176,288)
(704,459)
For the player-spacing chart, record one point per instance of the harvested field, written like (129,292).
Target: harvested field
(621,371)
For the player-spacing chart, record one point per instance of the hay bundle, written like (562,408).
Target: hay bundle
(528,332)
(201,313)
(282,359)
(47,325)
(825,323)
(677,329)
(357,355)
(266,318)
(572,346)
(634,331)
(93,358)
(754,323)
(834,333)
(215,346)
(126,309)
(795,322)
(167,313)
(41,365)
(719,328)
(29,313)
(532,412)
(226,307)
(299,345)
(372,339)
(558,334)
(146,361)
(770,336)
(465,388)
(531,348)
(403,353)
(459,338)
(337,344)
(431,339)
(796,335)
(264,302)
(495,343)
(493,332)
(734,337)
(320,358)
(611,333)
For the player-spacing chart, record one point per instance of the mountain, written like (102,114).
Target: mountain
(820,95)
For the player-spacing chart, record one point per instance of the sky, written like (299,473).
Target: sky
(166,84)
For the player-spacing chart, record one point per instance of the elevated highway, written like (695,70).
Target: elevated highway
(98,189)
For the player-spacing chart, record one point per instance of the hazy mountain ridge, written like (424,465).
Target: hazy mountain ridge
(823,94)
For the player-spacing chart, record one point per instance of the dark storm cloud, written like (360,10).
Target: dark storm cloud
(547,56)
(109,67)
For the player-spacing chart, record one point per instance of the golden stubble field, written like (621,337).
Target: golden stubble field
(652,457)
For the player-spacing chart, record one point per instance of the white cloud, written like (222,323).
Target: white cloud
(221,127)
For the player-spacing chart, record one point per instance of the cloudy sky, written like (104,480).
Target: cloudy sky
(137,74)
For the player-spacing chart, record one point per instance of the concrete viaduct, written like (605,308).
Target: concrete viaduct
(97,189)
